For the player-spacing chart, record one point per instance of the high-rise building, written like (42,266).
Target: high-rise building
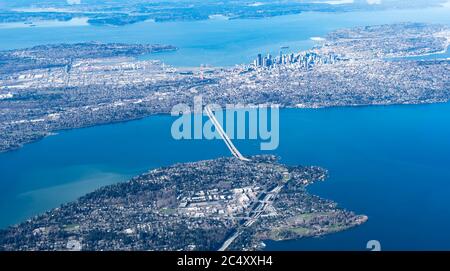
(259,60)
(267,61)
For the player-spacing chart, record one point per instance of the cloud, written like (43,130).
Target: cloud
(373,2)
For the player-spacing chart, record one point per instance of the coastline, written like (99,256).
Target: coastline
(351,172)
(302,153)
(57,132)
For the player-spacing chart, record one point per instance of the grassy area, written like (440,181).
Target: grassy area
(300,230)
(336,228)
(71,227)
(309,216)
(281,233)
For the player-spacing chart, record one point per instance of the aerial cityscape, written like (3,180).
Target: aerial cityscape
(197,203)
(340,90)
(108,85)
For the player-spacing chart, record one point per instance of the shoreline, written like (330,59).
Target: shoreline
(57,132)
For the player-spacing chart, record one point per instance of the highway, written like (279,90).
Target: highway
(224,135)
(230,240)
(262,205)
(257,213)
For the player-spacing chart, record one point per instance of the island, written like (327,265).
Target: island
(119,13)
(220,204)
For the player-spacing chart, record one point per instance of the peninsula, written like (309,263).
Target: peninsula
(220,204)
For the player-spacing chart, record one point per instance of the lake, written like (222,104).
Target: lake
(390,163)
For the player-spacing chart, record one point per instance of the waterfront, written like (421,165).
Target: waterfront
(220,42)
(390,163)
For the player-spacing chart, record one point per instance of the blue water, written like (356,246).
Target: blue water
(434,56)
(220,42)
(61,168)
(390,163)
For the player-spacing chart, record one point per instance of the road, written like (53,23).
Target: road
(262,205)
(224,135)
